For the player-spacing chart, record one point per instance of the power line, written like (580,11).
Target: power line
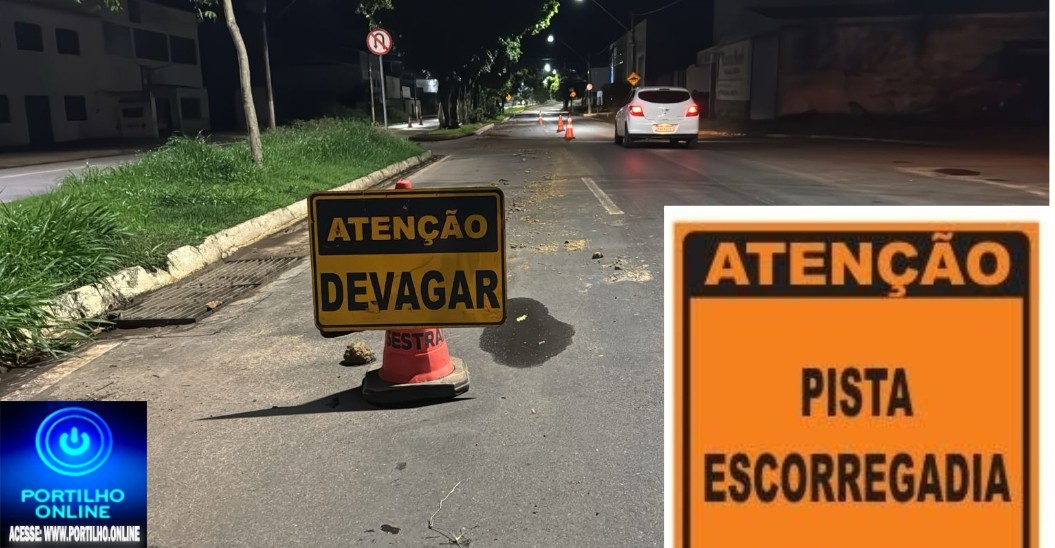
(658,10)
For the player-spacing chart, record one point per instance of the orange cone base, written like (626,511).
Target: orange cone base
(381,392)
(569,135)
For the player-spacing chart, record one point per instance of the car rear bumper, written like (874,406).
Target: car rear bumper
(645,128)
(663,135)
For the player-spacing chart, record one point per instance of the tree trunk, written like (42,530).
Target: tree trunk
(247,86)
(448,102)
(267,72)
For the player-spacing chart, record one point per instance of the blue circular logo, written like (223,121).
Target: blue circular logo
(74,441)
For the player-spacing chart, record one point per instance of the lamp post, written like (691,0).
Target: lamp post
(630,30)
(586,58)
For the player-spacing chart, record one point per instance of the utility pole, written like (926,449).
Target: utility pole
(633,44)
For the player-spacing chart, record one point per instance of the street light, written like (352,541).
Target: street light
(630,29)
(589,105)
(546,68)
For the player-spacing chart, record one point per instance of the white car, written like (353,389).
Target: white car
(658,113)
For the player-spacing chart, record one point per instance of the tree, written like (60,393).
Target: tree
(205,11)
(255,148)
(464,59)
(259,7)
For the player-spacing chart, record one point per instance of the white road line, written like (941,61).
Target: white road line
(417,174)
(35,173)
(933,174)
(607,202)
(47,379)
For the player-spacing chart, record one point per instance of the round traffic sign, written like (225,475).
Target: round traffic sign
(379,41)
(589,87)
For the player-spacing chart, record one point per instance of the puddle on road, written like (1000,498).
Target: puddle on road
(529,337)
(956,171)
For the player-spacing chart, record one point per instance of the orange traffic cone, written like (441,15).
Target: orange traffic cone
(421,122)
(410,124)
(560,123)
(540,117)
(570,133)
(415,366)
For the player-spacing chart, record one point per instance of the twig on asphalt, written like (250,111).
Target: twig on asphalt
(452,538)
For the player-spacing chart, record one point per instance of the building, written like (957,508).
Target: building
(944,60)
(73,72)
(662,43)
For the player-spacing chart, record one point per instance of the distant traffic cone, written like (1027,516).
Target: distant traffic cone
(569,134)
(540,117)
(415,366)
(420,121)
(410,124)
(560,123)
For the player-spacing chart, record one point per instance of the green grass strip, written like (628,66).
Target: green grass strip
(101,221)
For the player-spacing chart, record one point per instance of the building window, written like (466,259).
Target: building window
(132,112)
(134,14)
(5,110)
(184,50)
(68,41)
(117,40)
(190,108)
(76,108)
(151,45)
(28,37)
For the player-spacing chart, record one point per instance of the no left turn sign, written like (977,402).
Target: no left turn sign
(379,41)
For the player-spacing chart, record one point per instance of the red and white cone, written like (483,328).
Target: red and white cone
(416,365)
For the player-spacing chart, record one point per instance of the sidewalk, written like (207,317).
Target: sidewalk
(80,150)
(884,129)
(90,148)
(429,123)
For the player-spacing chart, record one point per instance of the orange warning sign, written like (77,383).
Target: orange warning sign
(866,385)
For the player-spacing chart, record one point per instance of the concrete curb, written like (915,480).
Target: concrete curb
(484,129)
(33,163)
(94,300)
(852,138)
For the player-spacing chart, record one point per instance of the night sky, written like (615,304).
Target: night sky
(320,31)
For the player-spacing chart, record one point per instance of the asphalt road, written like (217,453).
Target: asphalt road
(20,182)
(786,171)
(259,437)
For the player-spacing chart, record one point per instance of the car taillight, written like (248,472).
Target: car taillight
(636,110)
(693,111)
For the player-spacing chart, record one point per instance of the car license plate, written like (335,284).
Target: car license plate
(664,128)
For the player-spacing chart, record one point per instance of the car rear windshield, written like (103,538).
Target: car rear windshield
(664,96)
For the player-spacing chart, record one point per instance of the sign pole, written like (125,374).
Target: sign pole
(384,101)
(379,42)
(373,113)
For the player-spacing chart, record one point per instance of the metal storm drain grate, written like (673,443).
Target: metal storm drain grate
(188,301)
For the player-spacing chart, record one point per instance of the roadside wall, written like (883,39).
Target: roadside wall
(953,66)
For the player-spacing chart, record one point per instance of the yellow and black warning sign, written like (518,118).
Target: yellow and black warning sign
(865,385)
(408,258)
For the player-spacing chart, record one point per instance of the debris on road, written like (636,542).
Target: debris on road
(358,353)
(213,305)
(597,255)
(574,245)
(452,538)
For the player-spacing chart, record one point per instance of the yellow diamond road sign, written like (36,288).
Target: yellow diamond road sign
(408,258)
(572,94)
(508,97)
(633,78)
